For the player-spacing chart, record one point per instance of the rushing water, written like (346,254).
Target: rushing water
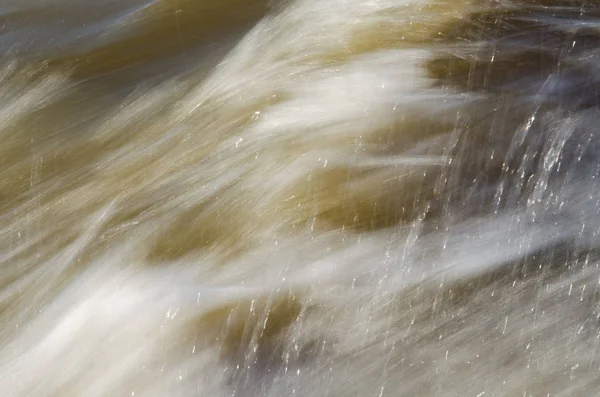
(299,198)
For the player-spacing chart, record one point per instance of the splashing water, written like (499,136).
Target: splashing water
(299,198)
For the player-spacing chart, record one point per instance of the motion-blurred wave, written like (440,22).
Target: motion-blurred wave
(299,198)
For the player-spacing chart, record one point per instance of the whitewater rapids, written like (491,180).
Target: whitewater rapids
(231,198)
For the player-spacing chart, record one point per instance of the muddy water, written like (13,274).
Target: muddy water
(299,198)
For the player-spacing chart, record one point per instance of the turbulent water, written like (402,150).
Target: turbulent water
(299,198)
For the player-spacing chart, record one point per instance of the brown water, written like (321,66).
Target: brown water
(299,198)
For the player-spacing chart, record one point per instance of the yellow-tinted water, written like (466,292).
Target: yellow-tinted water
(312,198)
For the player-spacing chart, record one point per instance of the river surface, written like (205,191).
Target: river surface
(262,198)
